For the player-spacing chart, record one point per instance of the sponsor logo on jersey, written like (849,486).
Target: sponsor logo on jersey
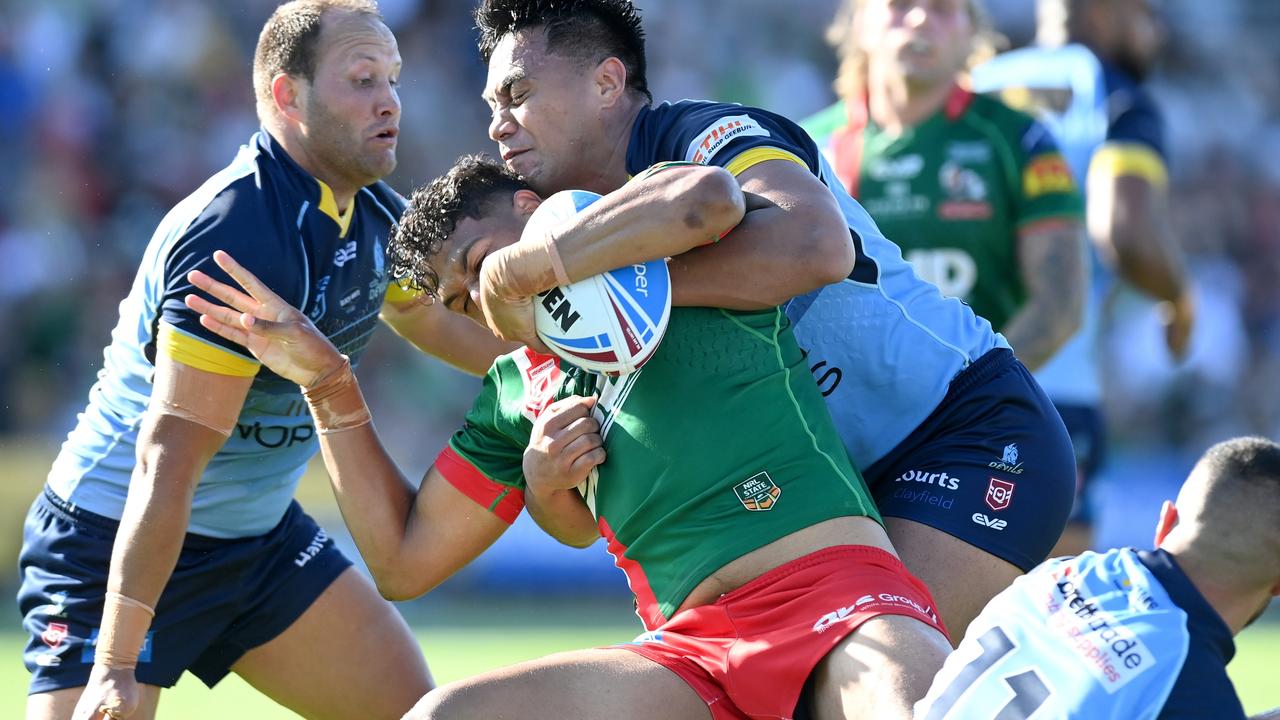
(993,523)
(541,381)
(953,271)
(1110,650)
(870,603)
(973,151)
(57,606)
(54,634)
(1009,461)
(345,254)
(923,496)
(1047,174)
(899,168)
(276,436)
(941,479)
(758,492)
(312,549)
(713,139)
(351,297)
(322,289)
(999,494)
(897,200)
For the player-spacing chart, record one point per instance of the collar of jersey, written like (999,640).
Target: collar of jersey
(1185,595)
(325,201)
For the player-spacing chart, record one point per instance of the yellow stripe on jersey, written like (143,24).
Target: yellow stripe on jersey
(203,355)
(329,206)
(757,155)
(1120,159)
(398,293)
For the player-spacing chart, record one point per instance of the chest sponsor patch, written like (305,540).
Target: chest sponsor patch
(713,139)
(758,492)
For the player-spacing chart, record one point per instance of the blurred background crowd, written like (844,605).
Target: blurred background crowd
(113,110)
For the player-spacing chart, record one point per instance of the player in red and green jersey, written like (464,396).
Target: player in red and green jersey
(751,544)
(975,193)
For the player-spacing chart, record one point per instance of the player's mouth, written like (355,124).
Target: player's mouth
(387,136)
(508,155)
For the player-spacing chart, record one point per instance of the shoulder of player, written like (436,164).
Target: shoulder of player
(385,200)
(1018,130)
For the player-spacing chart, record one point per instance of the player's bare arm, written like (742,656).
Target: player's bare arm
(797,244)
(1128,219)
(174,445)
(411,540)
(1051,258)
(563,449)
(455,339)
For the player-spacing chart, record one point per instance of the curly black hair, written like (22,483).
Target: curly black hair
(466,191)
(587,31)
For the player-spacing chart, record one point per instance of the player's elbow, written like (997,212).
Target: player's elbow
(398,584)
(827,250)
(710,198)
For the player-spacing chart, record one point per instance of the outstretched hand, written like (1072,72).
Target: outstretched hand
(278,334)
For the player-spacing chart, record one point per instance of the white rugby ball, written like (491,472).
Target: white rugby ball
(610,323)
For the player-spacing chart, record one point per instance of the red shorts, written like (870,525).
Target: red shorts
(749,654)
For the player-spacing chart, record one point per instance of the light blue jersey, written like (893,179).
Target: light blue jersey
(282,224)
(883,344)
(1122,635)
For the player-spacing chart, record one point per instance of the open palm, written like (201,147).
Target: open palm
(278,334)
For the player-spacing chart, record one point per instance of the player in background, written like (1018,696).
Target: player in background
(754,567)
(968,461)
(188,453)
(1131,634)
(976,194)
(1090,94)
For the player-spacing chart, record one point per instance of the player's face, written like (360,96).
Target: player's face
(543,116)
(1142,35)
(924,41)
(473,239)
(352,108)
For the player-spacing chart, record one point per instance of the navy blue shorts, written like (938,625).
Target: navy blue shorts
(992,465)
(1088,434)
(225,596)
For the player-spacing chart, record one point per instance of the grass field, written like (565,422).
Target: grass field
(458,652)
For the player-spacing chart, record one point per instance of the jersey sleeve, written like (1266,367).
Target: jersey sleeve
(1135,144)
(231,222)
(484,459)
(1046,190)
(734,137)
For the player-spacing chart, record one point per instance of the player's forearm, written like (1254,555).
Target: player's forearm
(1039,330)
(451,337)
(563,515)
(1128,218)
(1052,262)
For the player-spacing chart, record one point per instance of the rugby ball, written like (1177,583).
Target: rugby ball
(610,323)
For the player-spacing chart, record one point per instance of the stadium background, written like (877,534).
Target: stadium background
(112,110)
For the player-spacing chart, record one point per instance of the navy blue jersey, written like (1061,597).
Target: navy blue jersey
(884,345)
(284,226)
(1123,635)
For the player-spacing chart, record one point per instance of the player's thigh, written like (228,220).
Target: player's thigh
(879,671)
(604,684)
(349,655)
(59,704)
(962,577)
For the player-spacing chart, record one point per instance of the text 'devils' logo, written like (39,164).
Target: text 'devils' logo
(758,492)
(999,494)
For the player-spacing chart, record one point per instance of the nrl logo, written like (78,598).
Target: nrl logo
(758,492)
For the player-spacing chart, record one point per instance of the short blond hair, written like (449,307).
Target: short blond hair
(852,77)
(288,42)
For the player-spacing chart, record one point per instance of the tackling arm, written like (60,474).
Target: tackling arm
(453,338)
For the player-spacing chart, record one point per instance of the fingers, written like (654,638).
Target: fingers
(234,333)
(247,280)
(222,313)
(561,413)
(223,291)
(585,452)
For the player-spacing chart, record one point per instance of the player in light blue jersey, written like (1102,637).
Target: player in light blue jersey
(1084,82)
(166,539)
(1132,634)
(967,460)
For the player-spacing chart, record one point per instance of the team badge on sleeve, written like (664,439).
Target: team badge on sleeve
(1047,174)
(758,492)
(714,138)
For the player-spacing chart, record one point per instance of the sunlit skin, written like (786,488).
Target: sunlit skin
(343,125)
(557,123)
(921,42)
(458,263)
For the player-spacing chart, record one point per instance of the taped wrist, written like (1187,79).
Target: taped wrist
(336,401)
(526,268)
(125,622)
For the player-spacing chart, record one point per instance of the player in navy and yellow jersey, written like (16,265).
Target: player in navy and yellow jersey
(976,194)
(755,566)
(188,452)
(967,459)
(1133,634)
(1089,93)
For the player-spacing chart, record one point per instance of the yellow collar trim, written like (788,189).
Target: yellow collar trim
(329,206)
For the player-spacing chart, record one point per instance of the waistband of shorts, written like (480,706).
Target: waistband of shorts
(818,557)
(992,363)
(91,520)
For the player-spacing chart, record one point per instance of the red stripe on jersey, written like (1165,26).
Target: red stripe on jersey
(846,145)
(646,601)
(502,500)
(957,102)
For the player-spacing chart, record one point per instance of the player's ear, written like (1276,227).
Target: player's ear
(525,202)
(610,80)
(1168,519)
(287,93)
